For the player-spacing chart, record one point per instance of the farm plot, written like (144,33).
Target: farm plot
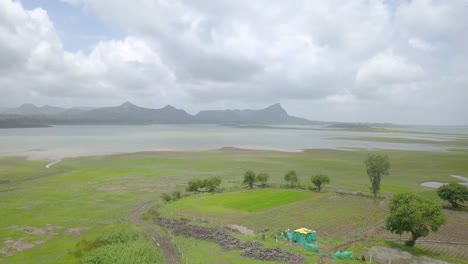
(258,200)
(452,238)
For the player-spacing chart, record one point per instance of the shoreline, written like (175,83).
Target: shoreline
(56,157)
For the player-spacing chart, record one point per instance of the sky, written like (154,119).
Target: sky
(393,61)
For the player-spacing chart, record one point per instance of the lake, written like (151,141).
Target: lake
(67,141)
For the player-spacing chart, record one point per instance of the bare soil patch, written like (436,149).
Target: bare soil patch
(241,229)
(75,231)
(12,247)
(398,256)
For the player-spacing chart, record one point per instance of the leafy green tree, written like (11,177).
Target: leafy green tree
(414,214)
(249,179)
(166,197)
(263,178)
(212,183)
(319,180)
(454,193)
(194,185)
(292,178)
(377,166)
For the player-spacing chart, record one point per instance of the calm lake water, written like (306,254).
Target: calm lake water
(67,141)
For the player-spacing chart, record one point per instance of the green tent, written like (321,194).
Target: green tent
(343,255)
(311,247)
(301,235)
(304,235)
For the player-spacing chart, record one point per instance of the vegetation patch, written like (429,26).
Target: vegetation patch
(257,200)
(119,246)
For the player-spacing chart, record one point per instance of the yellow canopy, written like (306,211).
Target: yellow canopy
(304,231)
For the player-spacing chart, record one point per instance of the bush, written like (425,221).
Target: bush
(139,252)
(211,184)
(176,195)
(194,185)
(166,197)
(84,246)
(263,179)
(120,236)
(208,184)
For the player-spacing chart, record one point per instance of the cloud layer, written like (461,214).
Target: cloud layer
(378,61)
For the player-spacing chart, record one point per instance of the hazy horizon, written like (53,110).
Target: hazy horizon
(401,62)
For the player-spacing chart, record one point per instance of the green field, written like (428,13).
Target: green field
(256,200)
(47,211)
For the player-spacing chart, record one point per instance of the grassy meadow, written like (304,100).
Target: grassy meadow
(45,212)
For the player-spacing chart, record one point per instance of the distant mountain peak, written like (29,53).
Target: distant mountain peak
(277,109)
(169,107)
(127,105)
(277,105)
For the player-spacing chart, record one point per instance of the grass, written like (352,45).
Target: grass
(98,192)
(257,200)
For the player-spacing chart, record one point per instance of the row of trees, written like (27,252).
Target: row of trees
(318,180)
(204,185)
(251,179)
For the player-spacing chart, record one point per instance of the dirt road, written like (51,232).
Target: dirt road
(163,242)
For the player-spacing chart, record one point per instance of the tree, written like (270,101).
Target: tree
(454,193)
(319,180)
(414,214)
(377,166)
(263,178)
(194,185)
(249,178)
(291,177)
(208,184)
(211,184)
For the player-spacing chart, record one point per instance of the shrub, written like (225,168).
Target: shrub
(84,246)
(263,178)
(139,252)
(194,185)
(166,197)
(176,195)
(120,236)
(208,184)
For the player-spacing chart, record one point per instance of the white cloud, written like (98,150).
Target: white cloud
(388,69)
(420,44)
(198,54)
(40,69)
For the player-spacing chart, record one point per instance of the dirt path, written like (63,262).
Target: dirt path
(167,249)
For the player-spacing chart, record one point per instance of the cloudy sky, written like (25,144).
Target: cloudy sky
(395,61)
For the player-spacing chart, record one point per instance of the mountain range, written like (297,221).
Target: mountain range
(29,115)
